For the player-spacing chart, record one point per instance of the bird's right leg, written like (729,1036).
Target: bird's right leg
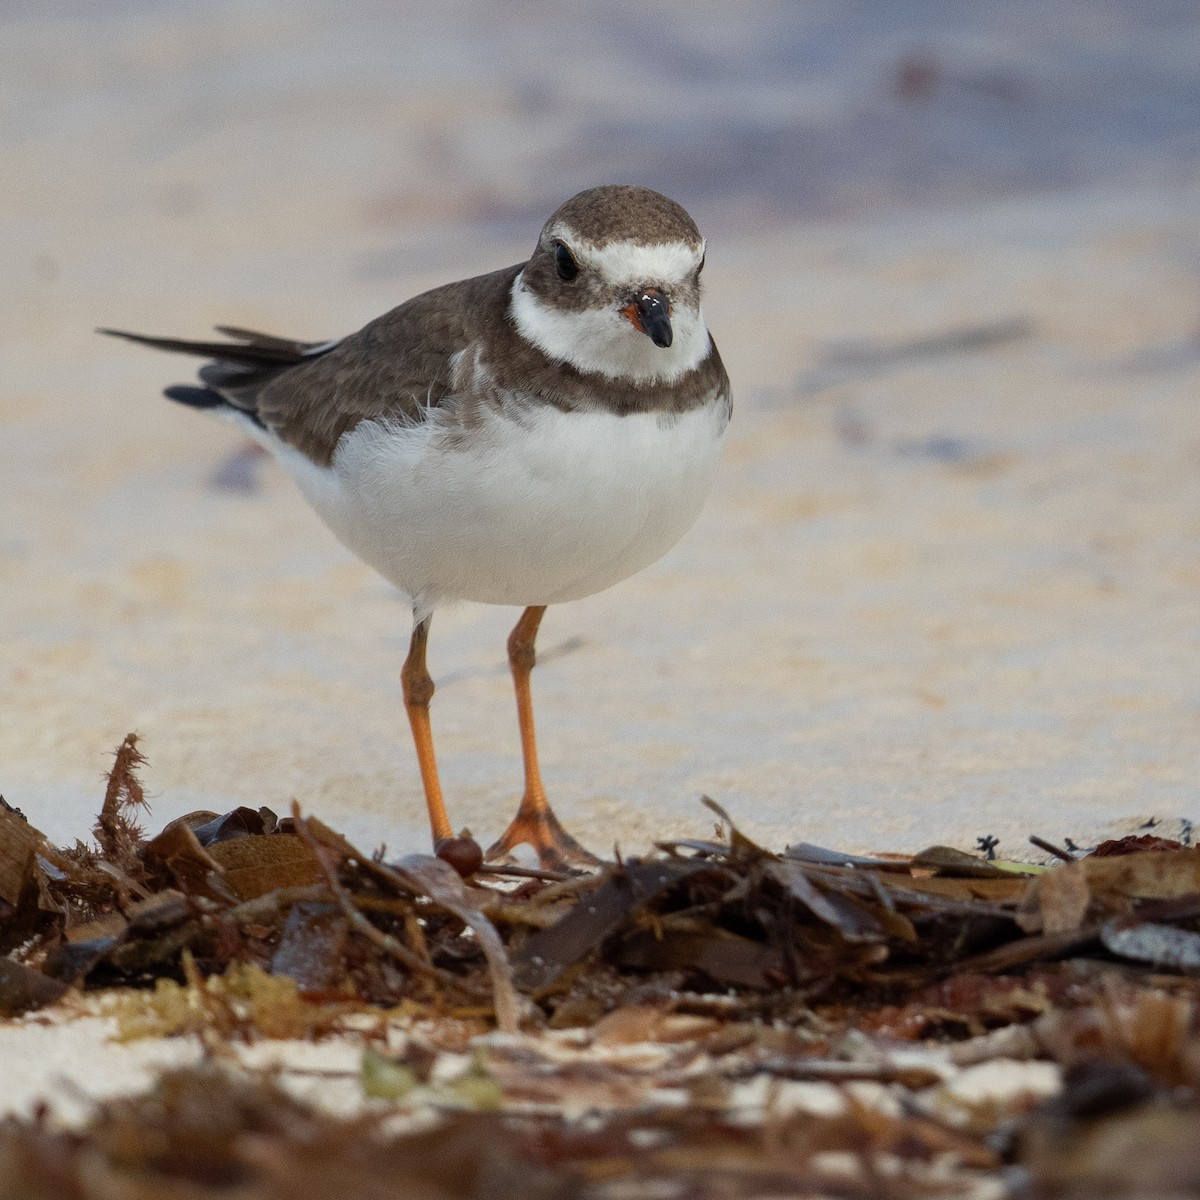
(418,691)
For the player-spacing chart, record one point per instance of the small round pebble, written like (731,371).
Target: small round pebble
(464,854)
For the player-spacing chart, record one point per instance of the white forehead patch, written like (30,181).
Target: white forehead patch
(635,263)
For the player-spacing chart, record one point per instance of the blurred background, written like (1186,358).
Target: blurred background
(947,587)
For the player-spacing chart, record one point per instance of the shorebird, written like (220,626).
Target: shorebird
(525,437)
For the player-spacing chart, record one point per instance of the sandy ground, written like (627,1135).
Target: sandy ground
(947,585)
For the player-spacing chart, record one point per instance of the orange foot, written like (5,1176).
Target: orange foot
(537,826)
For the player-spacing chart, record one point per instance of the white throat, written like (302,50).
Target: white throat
(603,342)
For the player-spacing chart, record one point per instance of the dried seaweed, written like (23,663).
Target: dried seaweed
(216,1132)
(788,932)
(736,964)
(19,843)
(116,831)
(209,1132)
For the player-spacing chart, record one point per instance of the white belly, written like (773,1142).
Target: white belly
(553,508)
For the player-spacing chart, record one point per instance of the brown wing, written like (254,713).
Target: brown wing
(310,393)
(397,366)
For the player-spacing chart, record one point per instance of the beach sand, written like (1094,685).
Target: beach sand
(947,584)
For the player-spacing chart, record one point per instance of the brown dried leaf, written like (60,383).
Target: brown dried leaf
(628,1025)
(1152,875)
(1038,947)
(946,860)
(799,887)
(1149,1154)
(1061,899)
(424,875)
(443,885)
(1006,890)
(725,958)
(312,948)
(110,925)
(255,864)
(19,844)
(740,846)
(1058,901)
(544,959)
(159,929)
(194,871)
(856,920)
(1134,844)
(23,989)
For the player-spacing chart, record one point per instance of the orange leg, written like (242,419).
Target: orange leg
(535,821)
(418,691)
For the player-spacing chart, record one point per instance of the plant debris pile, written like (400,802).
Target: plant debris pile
(210,1133)
(748,972)
(720,925)
(228,1135)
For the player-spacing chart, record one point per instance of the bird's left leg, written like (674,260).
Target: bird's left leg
(535,822)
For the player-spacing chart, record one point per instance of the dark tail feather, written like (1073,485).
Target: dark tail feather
(194,397)
(268,340)
(240,370)
(264,352)
(199,397)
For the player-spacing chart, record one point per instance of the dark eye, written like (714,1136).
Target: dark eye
(568,268)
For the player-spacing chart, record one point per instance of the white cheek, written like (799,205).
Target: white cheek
(606,343)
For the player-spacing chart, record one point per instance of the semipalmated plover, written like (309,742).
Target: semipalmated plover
(525,437)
